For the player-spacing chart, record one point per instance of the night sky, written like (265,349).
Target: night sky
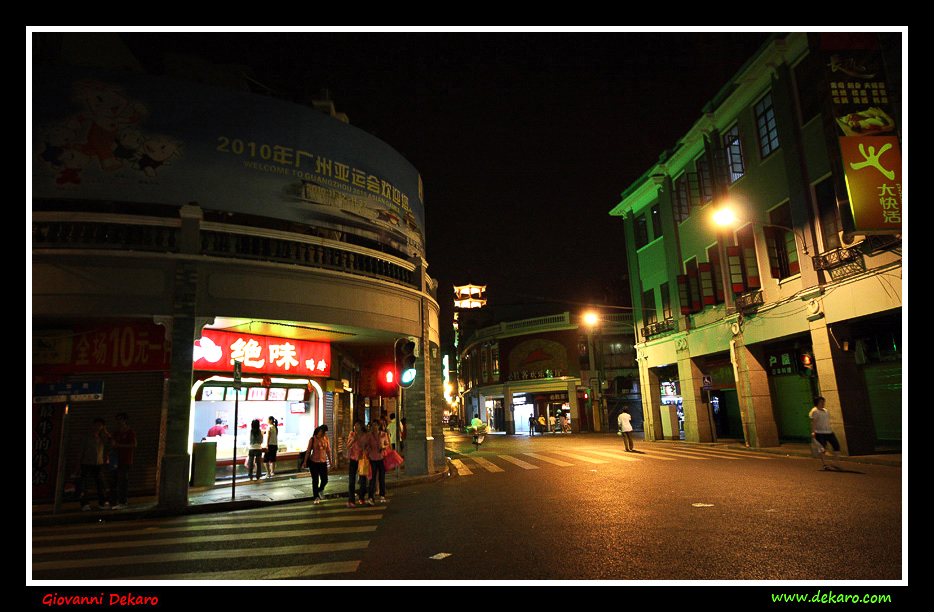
(524,140)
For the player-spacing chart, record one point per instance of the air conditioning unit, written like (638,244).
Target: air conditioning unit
(850,240)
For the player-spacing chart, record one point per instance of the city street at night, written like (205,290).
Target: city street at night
(551,507)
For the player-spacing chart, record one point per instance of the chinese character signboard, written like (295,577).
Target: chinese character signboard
(119,348)
(863,113)
(873,170)
(219,351)
(781,363)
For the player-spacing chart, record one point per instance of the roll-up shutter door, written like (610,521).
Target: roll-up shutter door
(139,395)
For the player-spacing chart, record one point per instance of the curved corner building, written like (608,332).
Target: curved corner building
(179,229)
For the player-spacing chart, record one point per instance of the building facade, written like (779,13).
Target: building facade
(741,325)
(548,366)
(204,253)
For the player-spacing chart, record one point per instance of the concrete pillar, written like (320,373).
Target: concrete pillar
(698,425)
(508,410)
(755,398)
(651,403)
(840,383)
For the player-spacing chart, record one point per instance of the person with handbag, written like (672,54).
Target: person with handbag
(316,460)
(377,443)
(355,445)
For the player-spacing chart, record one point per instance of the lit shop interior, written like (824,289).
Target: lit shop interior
(297,405)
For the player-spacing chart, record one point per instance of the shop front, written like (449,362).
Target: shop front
(275,383)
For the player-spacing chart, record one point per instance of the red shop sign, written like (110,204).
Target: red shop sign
(218,350)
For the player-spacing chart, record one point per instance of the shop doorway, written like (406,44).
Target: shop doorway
(724,406)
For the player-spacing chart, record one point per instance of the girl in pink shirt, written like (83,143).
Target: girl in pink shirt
(355,447)
(316,459)
(377,443)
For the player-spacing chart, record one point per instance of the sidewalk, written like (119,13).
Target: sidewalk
(282,488)
(296,486)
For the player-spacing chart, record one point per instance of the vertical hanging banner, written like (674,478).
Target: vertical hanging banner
(863,113)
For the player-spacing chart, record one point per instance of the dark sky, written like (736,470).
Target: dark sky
(524,140)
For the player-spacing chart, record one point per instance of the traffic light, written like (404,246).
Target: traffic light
(386,381)
(806,359)
(405,362)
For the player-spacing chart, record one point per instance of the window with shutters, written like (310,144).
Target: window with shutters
(733,148)
(743,264)
(689,288)
(780,243)
(713,256)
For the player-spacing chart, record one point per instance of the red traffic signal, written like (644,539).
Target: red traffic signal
(386,381)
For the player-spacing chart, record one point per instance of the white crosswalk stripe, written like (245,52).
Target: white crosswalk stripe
(590,455)
(523,464)
(326,538)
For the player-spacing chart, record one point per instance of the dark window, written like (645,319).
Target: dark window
(829,214)
(766,126)
(666,301)
(656,222)
(705,179)
(809,79)
(650,316)
(642,232)
(682,200)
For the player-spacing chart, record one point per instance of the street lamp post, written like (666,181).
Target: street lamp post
(593,322)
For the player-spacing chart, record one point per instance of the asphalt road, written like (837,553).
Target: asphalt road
(540,509)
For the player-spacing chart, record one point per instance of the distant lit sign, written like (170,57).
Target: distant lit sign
(257,394)
(219,350)
(276,395)
(872,166)
(296,394)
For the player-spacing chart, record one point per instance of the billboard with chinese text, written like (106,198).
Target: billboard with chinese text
(218,351)
(129,137)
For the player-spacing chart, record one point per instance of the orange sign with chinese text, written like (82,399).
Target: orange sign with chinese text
(873,169)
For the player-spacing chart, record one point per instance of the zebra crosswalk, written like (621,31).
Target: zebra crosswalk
(252,544)
(493,462)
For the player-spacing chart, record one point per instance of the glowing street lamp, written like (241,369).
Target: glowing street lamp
(725,216)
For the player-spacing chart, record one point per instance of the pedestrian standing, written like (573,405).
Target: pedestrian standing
(625,428)
(531,424)
(564,424)
(551,423)
(92,457)
(124,441)
(823,432)
(355,445)
(391,430)
(316,460)
(272,446)
(377,443)
(255,450)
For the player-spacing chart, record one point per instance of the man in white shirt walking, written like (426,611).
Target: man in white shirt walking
(823,433)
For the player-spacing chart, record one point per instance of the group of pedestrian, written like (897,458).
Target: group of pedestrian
(255,455)
(366,448)
(105,459)
(559,424)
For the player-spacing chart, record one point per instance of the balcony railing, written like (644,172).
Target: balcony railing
(659,327)
(155,234)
